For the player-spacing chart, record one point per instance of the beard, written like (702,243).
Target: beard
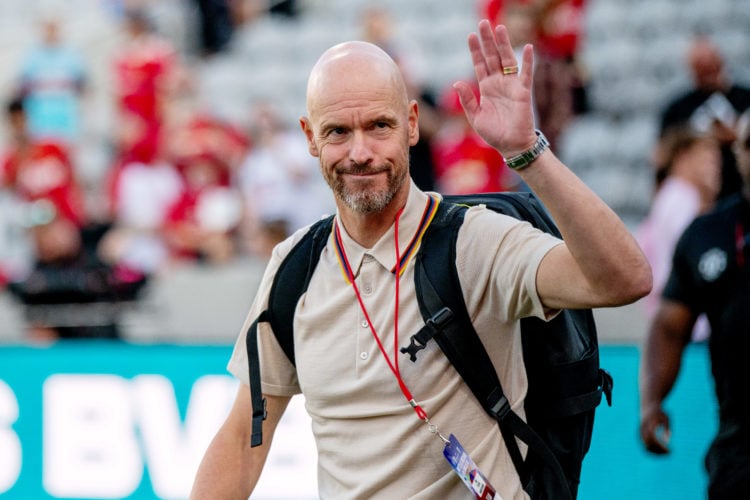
(364,199)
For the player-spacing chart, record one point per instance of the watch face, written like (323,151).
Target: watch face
(523,160)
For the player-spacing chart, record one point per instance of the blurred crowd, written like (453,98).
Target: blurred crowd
(182,184)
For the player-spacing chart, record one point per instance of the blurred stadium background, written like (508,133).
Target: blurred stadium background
(634,55)
(633,51)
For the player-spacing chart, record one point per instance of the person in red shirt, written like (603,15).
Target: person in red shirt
(202,222)
(464,162)
(146,72)
(561,22)
(67,288)
(40,169)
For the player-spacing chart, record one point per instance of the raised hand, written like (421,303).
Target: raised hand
(503,114)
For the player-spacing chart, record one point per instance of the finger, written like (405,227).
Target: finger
(527,66)
(504,47)
(492,55)
(467,99)
(477,57)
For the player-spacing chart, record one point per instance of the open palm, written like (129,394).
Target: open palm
(503,114)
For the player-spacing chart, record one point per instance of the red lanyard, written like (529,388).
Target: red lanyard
(393,365)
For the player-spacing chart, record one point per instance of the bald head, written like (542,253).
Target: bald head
(354,67)
(706,64)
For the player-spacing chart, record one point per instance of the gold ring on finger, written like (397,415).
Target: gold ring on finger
(510,70)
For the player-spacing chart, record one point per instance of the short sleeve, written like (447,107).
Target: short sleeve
(681,285)
(500,255)
(278,375)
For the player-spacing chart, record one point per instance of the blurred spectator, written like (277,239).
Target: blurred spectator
(559,83)
(15,244)
(141,195)
(712,105)
(207,151)
(191,131)
(216,25)
(52,81)
(280,181)
(147,72)
(165,203)
(37,169)
(464,162)
(559,23)
(377,25)
(202,223)
(561,27)
(143,184)
(70,292)
(686,185)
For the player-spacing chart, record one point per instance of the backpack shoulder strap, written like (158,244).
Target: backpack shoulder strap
(441,302)
(448,322)
(289,283)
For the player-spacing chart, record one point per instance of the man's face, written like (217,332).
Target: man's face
(707,66)
(360,127)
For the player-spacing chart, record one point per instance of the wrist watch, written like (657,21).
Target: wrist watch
(523,160)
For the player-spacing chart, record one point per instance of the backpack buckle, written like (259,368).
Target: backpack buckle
(414,346)
(419,340)
(500,408)
(259,415)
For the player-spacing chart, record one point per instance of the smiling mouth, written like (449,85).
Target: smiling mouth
(364,174)
(362,170)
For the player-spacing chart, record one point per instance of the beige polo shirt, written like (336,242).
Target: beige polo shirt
(371,443)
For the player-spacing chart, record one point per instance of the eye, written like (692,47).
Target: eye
(382,125)
(336,132)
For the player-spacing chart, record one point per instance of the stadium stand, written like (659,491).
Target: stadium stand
(633,51)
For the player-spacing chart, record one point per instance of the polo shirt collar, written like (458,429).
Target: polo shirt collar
(418,213)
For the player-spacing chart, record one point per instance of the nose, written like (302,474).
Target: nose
(360,152)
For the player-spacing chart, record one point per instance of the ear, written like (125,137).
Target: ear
(413,123)
(306,126)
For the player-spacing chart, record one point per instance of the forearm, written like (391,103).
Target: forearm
(230,468)
(661,358)
(604,251)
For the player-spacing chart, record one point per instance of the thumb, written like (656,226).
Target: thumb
(467,99)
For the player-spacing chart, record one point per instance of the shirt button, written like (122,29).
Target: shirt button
(364,323)
(363,355)
(368,289)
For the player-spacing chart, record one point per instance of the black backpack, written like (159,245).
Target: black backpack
(561,356)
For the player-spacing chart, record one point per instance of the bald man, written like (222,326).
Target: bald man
(711,106)
(368,415)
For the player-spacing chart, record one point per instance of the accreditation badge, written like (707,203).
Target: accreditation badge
(468,471)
